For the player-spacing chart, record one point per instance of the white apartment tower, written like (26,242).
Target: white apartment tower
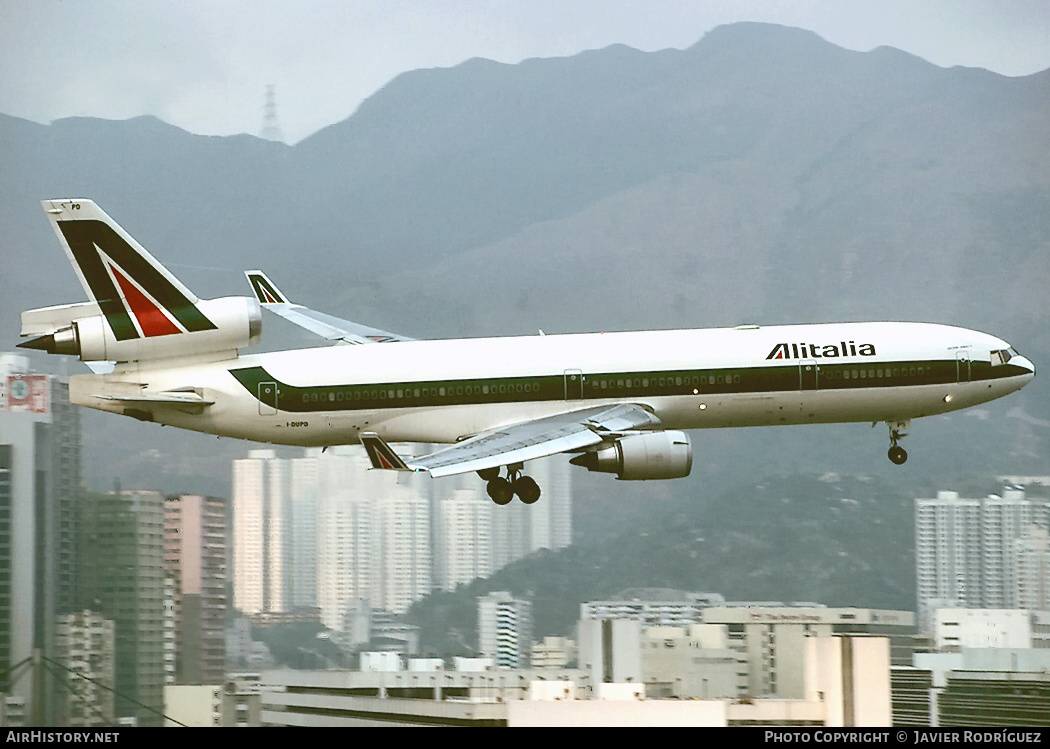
(967,553)
(464,538)
(518,529)
(505,629)
(1032,557)
(372,533)
(1005,520)
(260,525)
(947,554)
(305,503)
(403,542)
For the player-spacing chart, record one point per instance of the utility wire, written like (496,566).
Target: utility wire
(80,697)
(114,691)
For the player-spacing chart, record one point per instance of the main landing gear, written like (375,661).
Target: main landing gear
(897,454)
(502,490)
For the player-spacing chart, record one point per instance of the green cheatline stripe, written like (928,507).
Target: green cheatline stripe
(618,385)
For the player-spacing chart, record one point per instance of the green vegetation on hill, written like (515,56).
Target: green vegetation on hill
(839,541)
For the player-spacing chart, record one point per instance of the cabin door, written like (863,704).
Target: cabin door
(573,385)
(808,374)
(962,365)
(268,398)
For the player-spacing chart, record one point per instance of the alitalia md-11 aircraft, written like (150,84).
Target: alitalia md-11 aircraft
(618,402)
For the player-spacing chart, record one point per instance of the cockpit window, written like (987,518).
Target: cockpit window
(1002,356)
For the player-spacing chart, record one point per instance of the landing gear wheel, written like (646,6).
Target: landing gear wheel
(527,489)
(500,491)
(898,430)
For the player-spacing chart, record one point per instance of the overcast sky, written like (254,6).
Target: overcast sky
(204,65)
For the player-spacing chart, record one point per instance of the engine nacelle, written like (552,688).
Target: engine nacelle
(652,455)
(229,323)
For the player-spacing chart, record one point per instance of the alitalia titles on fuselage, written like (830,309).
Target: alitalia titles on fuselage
(820,351)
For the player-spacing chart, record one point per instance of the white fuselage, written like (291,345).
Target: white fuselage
(445,390)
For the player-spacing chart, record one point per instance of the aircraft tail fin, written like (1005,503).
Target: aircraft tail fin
(137,295)
(137,310)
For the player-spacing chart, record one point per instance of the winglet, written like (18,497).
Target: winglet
(380,454)
(265,290)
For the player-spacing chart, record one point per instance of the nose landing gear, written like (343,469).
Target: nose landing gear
(897,454)
(502,490)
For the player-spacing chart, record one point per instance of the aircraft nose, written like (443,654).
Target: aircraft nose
(1024,361)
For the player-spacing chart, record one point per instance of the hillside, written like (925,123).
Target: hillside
(836,540)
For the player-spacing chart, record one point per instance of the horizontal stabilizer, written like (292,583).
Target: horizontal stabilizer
(380,454)
(49,320)
(167,398)
(326,326)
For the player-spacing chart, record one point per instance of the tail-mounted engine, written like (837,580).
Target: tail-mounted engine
(94,333)
(651,455)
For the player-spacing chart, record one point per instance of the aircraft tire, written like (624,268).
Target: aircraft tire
(500,491)
(897,455)
(527,489)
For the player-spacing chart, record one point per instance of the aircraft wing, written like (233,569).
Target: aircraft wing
(326,326)
(516,443)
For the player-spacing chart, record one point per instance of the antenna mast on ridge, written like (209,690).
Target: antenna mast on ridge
(271,130)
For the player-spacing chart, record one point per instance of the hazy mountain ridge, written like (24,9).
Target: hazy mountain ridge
(762,175)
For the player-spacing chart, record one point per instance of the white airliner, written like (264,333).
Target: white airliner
(618,401)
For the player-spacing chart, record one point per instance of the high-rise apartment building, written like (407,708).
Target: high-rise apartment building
(260,533)
(324,531)
(505,629)
(519,530)
(347,533)
(195,558)
(87,647)
(39,493)
(122,578)
(1032,559)
(303,554)
(464,545)
(967,553)
(403,544)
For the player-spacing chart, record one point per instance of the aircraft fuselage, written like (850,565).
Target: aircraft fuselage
(444,390)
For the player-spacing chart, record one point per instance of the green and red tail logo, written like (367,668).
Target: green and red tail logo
(264,289)
(380,454)
(137,299)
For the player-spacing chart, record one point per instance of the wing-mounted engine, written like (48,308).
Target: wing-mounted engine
(87,331)
(649,455)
